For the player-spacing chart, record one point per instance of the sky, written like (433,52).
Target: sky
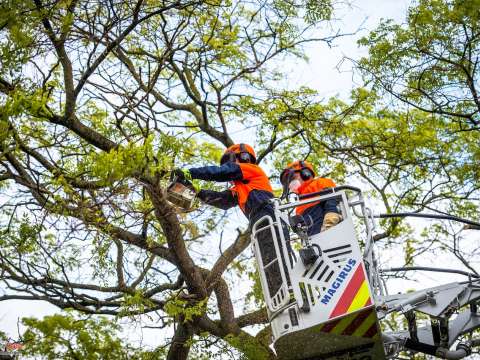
(326,71)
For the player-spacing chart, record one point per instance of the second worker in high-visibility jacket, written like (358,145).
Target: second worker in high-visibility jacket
(299,176)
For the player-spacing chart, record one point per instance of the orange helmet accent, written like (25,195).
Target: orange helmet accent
(237,150)
(296,166)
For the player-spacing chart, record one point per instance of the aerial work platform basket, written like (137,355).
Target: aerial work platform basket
(320,306)
(325,299)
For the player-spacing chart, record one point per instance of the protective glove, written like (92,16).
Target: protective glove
(182,176)
(329,220)
(185,178)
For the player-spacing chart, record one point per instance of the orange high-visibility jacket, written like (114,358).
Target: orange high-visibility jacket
(312,186)
(251,187)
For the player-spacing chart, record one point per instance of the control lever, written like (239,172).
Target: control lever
(308,253)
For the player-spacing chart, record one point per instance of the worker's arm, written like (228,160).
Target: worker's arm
(220,199)
(227,172)
(330,205)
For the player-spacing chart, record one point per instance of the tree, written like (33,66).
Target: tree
(67,337)
(399,158)
(412,137)
(431,63)
(99,101)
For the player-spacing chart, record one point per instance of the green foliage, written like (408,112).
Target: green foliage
(315,11)
(22,237)
(121,162)
(69,337)
(186,310)
(17,46)
(255,294)
(3,337)
(248,345)
(318,10)
(135,303)
(426,66)
(28,236)
(430,62)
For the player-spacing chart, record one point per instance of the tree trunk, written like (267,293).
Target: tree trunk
(179,348)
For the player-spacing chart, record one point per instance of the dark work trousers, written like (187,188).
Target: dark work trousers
(314,215)
(267,248)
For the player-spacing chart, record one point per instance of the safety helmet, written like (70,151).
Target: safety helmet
(303,167)
(243,152)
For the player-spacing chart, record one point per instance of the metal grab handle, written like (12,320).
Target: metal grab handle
(281,296)
(330,190)
(428,216)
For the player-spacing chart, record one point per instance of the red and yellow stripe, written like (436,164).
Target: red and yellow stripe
(355,296)
(361,324)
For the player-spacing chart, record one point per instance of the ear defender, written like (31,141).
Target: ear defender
(244,156)
(306,174)
(286,176)
(227,157)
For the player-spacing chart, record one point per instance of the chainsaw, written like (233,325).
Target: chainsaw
(181,193)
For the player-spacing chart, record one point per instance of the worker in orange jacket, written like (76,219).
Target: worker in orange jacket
(251,191)
(299,176)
